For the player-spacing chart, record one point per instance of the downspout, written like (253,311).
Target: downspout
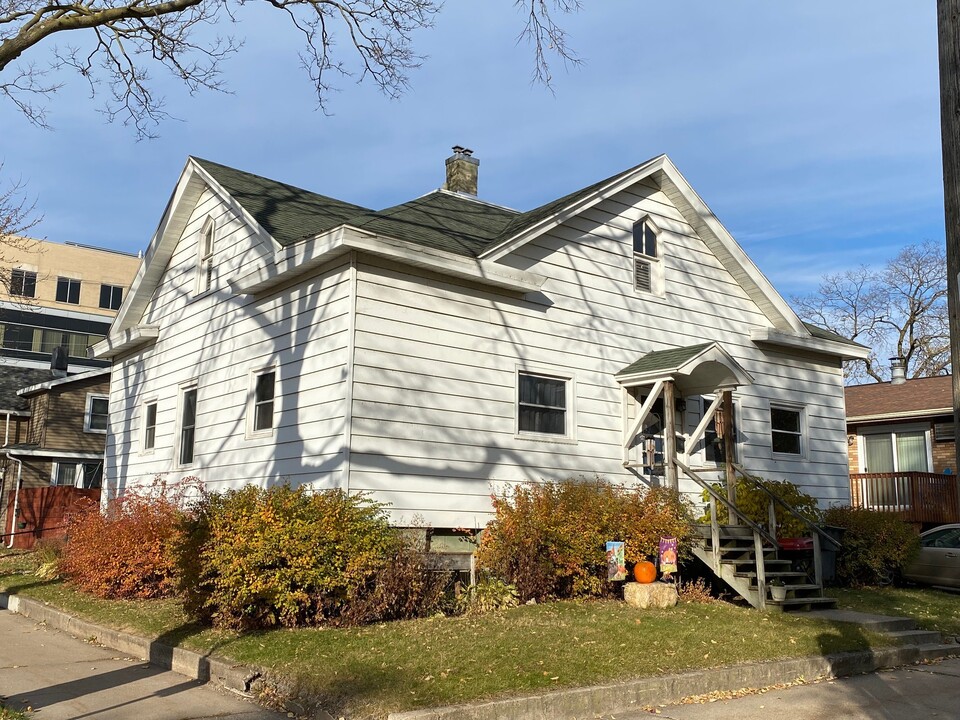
(6,434)
(16,499)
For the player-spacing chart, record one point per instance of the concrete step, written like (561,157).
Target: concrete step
(877,623)
(803,604)
(915,637)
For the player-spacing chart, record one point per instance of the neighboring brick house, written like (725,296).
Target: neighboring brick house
(899,427)
(900,438)
(62,448)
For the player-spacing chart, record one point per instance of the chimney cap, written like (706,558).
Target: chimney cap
(460,150)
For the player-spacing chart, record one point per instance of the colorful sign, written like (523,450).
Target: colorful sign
(616,560)
(668,557)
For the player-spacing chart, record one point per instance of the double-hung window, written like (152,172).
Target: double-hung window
(188,424)
(262,400)
(23,283)
(205,257)
(786,430)
(543,404)
(97,414)
(149,426)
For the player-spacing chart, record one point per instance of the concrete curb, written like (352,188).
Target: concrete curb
(589,702)
(237,678)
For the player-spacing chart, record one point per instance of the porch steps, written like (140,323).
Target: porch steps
(735,562)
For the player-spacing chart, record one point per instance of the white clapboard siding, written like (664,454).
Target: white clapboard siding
(217,340)
(436,362)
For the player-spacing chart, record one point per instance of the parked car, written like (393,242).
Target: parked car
(938,562)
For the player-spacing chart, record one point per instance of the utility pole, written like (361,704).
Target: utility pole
(948,26)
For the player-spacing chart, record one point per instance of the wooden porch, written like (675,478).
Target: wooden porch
(917,497)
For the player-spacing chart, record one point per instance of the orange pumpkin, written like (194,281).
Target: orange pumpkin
(645,571)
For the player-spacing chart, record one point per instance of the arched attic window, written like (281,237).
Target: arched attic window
(647,267)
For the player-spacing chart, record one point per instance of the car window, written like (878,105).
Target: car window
(946,538)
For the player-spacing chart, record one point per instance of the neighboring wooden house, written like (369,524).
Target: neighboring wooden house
(901,443)
(438,350)
(60,457)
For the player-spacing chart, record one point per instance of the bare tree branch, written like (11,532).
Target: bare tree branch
(17,217)
(546,36)
(900,311)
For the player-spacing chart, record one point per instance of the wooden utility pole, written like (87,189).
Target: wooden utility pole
(948,25)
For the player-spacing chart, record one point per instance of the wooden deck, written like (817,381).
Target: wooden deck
(918,497)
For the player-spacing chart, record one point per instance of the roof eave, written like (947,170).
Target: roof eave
(49,384)
(125,341)
(843,350)
(900,415)
(313,252)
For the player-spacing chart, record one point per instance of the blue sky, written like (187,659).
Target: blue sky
(811,129)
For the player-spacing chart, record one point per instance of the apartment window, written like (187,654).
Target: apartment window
(97,414)
(786,430)
(188,424)
(91,475)
(68,290)
(18,337)
(23,283)
(264,391)
(205,257)
(150,426)
(542,404)
(647,269)
(65,474)
(896,451)
(85,475)
(111,297)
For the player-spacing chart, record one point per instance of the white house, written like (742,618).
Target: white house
(437,350)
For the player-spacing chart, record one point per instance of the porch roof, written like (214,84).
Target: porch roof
(702,368)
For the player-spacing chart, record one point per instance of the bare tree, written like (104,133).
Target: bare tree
(899,311)
(17,217)
(123,37)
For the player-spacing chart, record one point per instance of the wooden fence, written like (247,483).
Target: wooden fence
(42,513)
(918,497)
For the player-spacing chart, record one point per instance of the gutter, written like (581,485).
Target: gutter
(16,499)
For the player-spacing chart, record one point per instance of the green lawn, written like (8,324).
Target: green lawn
(370,671)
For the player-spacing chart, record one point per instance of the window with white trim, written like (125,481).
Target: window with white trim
(786,430)
(543,404)
(23,283)
(205,257)
(149,441)
(187,425)
(647,266)
(71,473)
(68,290)
(97,414)
(111,296)
(260,411)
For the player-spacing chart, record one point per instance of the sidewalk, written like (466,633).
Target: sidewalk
(63,678)
(911,693)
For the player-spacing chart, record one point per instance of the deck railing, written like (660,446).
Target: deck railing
(918,497)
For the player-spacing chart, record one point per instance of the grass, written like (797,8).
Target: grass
(8,714)
(367,672)
(932,609)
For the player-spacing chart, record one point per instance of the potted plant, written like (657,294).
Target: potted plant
(778,591)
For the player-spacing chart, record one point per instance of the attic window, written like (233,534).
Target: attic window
(647,271)
(205,257)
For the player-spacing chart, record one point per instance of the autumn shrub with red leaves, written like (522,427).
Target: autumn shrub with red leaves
(127,551)
(548,539)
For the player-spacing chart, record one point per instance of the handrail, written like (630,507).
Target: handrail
(787,506)
(731,508)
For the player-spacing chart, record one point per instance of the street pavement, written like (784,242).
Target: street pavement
(917,692)
(61,677)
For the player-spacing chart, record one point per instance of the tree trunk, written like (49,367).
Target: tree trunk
(948,23)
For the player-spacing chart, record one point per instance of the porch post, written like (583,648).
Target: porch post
(728,445)
(670,434)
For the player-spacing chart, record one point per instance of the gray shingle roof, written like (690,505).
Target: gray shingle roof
(664,360)
(13,378)
(287,212)
(824,334)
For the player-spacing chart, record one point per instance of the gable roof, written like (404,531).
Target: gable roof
(919,397)
(286,212)
(664,360)
(50,383)
(451,226)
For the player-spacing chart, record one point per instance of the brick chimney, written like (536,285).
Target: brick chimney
(462,170)
(898,371)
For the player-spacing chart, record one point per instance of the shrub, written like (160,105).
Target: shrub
(488,595)
(754,503)
(548,539)
(47,554)
(876,545)
(695,591)
(127,551)
(254,558)
(406,587)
